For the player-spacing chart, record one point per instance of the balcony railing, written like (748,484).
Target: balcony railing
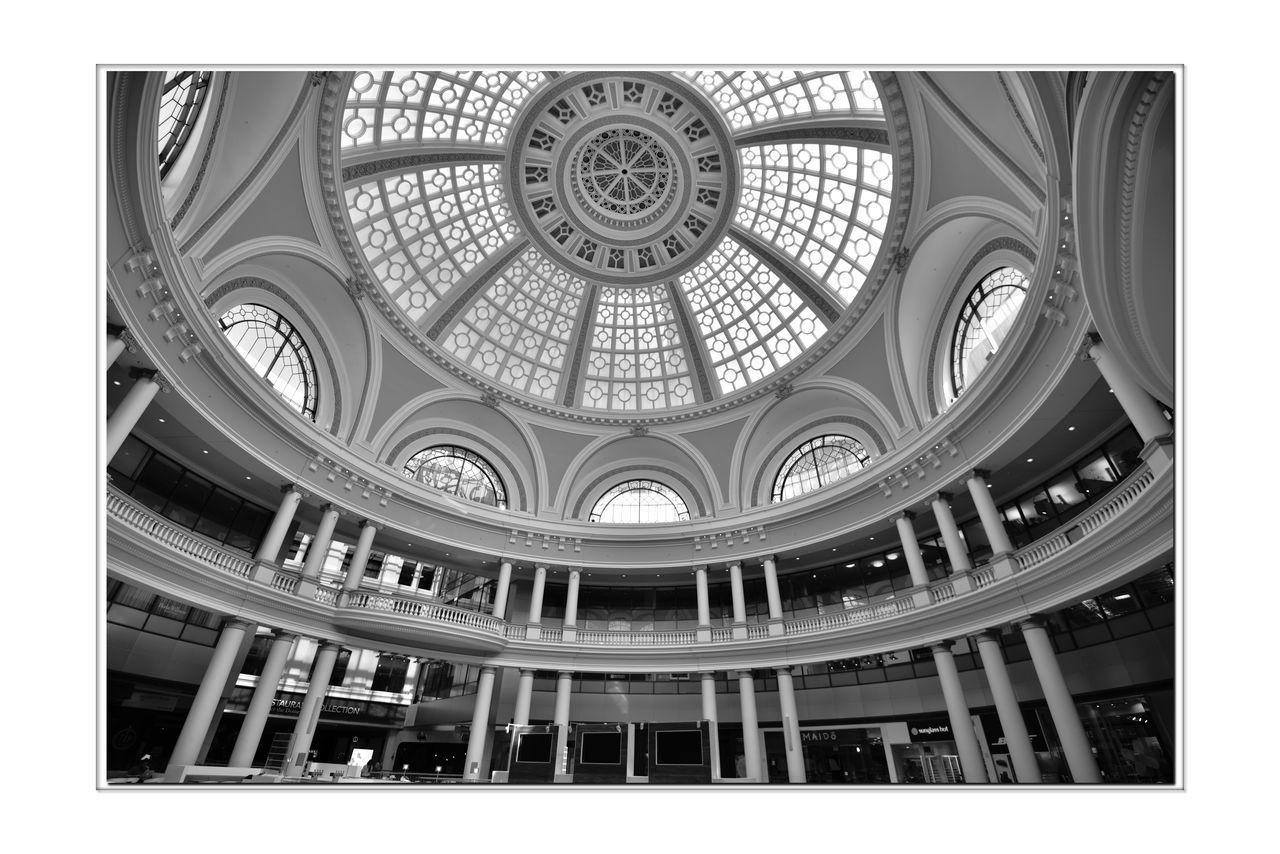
(123,511)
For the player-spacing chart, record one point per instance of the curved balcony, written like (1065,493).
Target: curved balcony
(1131,528)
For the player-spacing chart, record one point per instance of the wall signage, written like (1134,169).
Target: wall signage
(933,729)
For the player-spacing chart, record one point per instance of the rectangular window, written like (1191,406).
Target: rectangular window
(186,502)
(219,512)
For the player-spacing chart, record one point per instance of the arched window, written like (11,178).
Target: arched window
(275,351)
(817,463)
(985,319)
(645,502)
(459,472)
(180,105)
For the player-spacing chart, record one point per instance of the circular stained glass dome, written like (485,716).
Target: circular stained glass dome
(615,242)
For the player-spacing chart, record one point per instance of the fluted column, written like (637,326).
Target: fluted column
(304,729)
(709,713)
(739,600)
(975,770)
(992,524)
(1141,407)
(1015,728)
(479,725)
(524,697)
(269,548)
(194,729)
(320,543)
(364,545)
(500,595)
(1062,707)
(957,554)
(146,384)
(790,726)
(750,725)
(255,717)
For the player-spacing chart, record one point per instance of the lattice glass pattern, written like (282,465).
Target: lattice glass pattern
(643,502)
(988,313)
(750,99)
(459,472)
(819,462)
(752,321)
(637,360)
(275,351)
(423,232)
(181,101)
(827,206)
(518,330)
(388,107)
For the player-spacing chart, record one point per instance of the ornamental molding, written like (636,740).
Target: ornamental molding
(204,159)
(1017,114)
(333,472)
(406,162)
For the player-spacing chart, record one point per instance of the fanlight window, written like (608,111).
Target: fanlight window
(645,502)
(984,322)
(275,351)
(459,472)
(817,463)
(180,105)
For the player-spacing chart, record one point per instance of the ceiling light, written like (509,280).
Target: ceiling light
(161,420)
(850,565)
(1120,596)
(1069,429)
(873,538)
(1031,459)
(892,555)
(204,452)
(115,382)
(877,563)
(246,477)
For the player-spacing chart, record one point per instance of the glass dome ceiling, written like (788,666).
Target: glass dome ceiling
(613,241)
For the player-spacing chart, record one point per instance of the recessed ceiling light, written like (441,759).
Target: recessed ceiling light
(161,420)
(204,452)
(115,382)
(877,563)
(1031,459)
(833,550)
(873,538)
(1069,429)
(850,565)
(988,486)
(247,477)
(892,555)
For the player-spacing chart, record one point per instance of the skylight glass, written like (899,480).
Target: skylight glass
(275,351)
(826,206)
(518,330)
(752,321)
(423,232)
(389,107)
(640,502)
(637,360)
(751,99)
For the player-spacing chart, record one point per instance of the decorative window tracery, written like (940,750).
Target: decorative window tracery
(985,319)
(182,100)
(750,99)
(644,502)
(817,463)
(275,351)
(637,359)
(458,471)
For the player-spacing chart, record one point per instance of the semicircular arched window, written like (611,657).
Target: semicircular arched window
(817,463)
(459,472)
(985,320)
(644,502)
(180,104)
(275,351)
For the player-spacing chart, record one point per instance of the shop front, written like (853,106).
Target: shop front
(836,754)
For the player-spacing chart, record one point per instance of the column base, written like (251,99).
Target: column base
(569,634)
(1159,453)
(1004,565)
(777,628)
(306,589)
(961,582)
(532,632)
(921,597)
(703,634)
(739,631)
(263,572)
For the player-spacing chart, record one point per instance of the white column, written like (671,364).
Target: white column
(709,713)
(255,717)
(535,601)
(992,524)
(1141,407)
(771,588)
(319,548)
(571,599)
(911,548)
(501,593)
(309,715)
(129,411)
(704,607)
(790,726)
(1062,708)
(364,545)
(750,726)
(524,697)
(971,762)
(564,687)
(1015,728)
(269,548)
(115,346)
(194,729)
(735,590)
(479,725)
(957,554)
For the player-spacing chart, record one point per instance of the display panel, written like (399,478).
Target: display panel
(535,747)
(600,748)
(679,747)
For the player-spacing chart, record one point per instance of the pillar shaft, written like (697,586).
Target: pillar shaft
(255,717)
(564,688)
(115,346)
(269,548)
(992,524)
(1080,759)
(704,607)
(771,588)
(911,549)
(194,729)
(790,726)
(957,554)
(129,412)
(479,725)
(750,726)
(1015,728)
(535,601)
(319,549)
(1140,406)
(524,698)
(501,594)
(304,730)
(571,599)
(735,588)
(975,770)
(364,545)
(709,713)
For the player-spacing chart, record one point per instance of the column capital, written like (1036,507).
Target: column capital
(1085,352)
(574,570)
(143,373)
(739,674)
(942,646)
(784,668)
(369,523)
(488,668)
(526,671)
(978,473)
(329,644)
(769,557)
(541,567)
(280,634)
(239,622)
(987,635)
(944,497)
(114,329)
(698,567)
(286,488)
(130,342)
(732,563)
(329,507)
(905,514)
(560,674)
(1035,621)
